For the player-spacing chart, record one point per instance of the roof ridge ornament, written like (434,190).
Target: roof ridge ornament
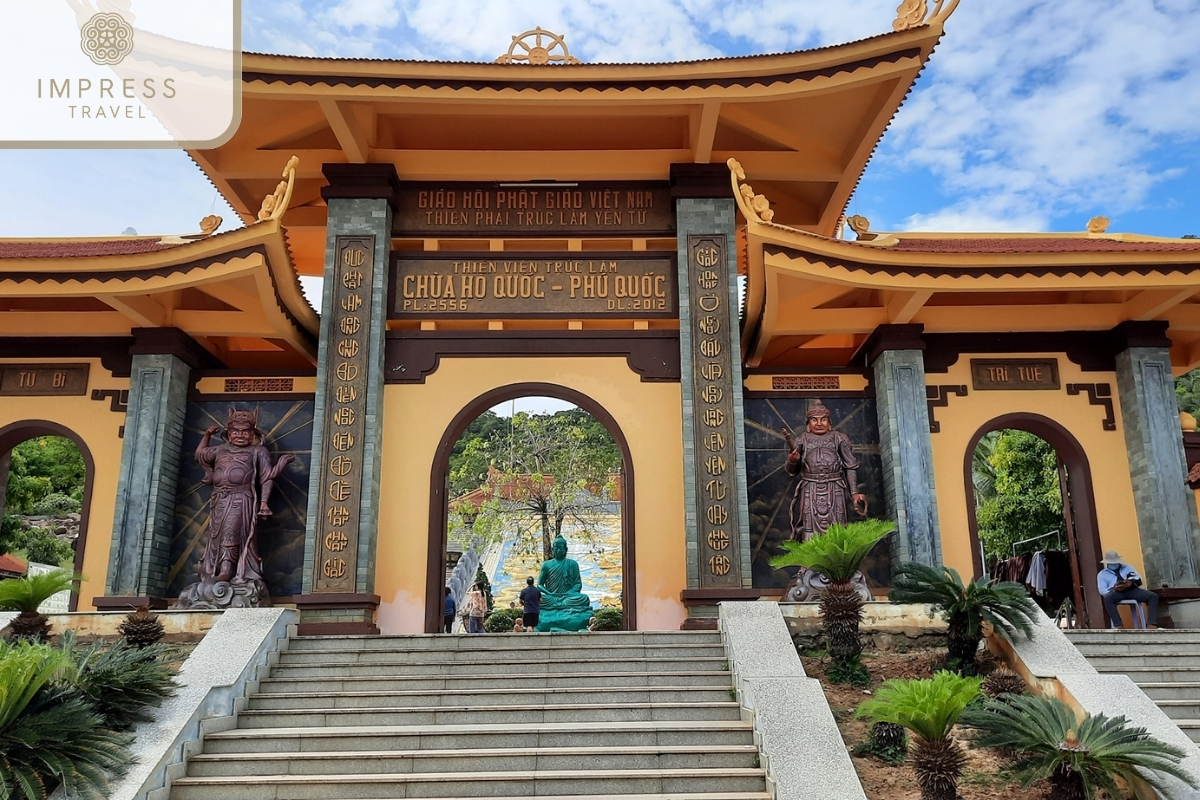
(275,204)
(914,13)
(1098,225)
(538,52)
(754,207)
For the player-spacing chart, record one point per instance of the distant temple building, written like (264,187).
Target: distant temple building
(663,245)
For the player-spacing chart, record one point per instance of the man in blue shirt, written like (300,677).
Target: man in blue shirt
(1117,582)
(531,601)
(450,610)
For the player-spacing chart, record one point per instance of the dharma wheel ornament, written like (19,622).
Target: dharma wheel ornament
(538,47)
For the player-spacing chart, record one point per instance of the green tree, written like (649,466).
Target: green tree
(41,466)
(486,586)
(1027,500)
(475,451)
(1187,392)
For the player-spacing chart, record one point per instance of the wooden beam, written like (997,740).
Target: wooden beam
(50,324)
(1152,302)
(143,310)
(224,323)
(821,321)
(903,306)
(703,131)
(350,134)
(231,293)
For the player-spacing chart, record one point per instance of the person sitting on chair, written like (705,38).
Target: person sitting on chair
(1118,582)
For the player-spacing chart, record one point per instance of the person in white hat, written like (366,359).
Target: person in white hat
(1118,581)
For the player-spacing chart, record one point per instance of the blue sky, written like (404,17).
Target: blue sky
(1033,114)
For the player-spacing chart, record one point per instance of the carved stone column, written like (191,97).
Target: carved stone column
(144,521)
(1166,507)
(714,439)
(343,497)
(897,354)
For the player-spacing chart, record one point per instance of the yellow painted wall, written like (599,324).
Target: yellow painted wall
(1105,450)
(97,426)
(417,415)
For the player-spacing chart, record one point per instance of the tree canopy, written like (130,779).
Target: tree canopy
(45,476)
(1027,500)
(540,470)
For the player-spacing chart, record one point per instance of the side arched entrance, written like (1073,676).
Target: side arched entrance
(439,480)
(1079,506)
(13,434)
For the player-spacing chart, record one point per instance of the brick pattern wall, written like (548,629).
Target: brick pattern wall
(145,507)
(907,454)
(1166,507)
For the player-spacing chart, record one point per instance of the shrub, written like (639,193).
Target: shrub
(887,741)
(502,621)
(1079,757)
(50,735)
(56,503)
(1006,606)
(929,708)
(43,547)
(122,681)
(25,595)
(609,619)
(142,627)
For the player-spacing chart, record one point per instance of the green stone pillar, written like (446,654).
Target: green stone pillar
(343,497)
(1166,507)
(144,521)
(716,511)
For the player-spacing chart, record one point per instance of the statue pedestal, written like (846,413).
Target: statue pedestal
(808,584)
(565,620)
(219,595)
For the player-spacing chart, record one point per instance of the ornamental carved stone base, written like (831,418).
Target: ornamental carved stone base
(220,595)
(807,585)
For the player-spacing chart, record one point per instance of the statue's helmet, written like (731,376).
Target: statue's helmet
(816,409)
(244,419)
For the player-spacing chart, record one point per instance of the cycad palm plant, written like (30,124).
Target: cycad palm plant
(50,735)
(837,554)
(929,708)
(1078,757)
(26,594)
(1006,606)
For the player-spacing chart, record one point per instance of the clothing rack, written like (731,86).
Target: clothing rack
(1035,538)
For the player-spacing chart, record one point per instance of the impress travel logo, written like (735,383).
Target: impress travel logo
(121,73)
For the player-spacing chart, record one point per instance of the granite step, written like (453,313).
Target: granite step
(1181,709)
(1170,691)
(488,641)
(1151,674)
(1111,662)
(1191,727)
(471,683)
(1127,636)
(468,784)
(479,736)
(517,715)
(590,695)
(533,667)
(514,758)
(512,654)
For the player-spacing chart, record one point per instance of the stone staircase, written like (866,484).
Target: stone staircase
(638,715)
(1165,664)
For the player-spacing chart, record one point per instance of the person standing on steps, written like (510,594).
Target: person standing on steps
(450,611)
(531,601)
(1117,582)
(476,605)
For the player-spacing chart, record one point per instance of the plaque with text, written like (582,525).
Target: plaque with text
(575,285)
(341,467)
(617,208)
(43,379)
(717,510)
(993,374)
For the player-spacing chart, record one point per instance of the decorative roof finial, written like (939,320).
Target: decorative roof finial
(275,204)
(754,206)
(914,13)
(1098,224)
(209,225)
(860,225)
(538,52)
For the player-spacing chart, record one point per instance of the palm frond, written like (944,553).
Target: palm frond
(26,594)
(1005,605)
(928,707)
(839,552)
(1048,736)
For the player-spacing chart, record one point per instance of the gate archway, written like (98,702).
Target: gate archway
(1079,503)
(439,506)
(13,434)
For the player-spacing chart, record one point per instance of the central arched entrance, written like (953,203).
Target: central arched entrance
(1082,532)
(439,488)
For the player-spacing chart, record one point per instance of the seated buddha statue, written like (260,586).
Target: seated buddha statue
(564,606)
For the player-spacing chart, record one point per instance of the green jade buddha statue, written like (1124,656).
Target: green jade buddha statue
(564,606)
